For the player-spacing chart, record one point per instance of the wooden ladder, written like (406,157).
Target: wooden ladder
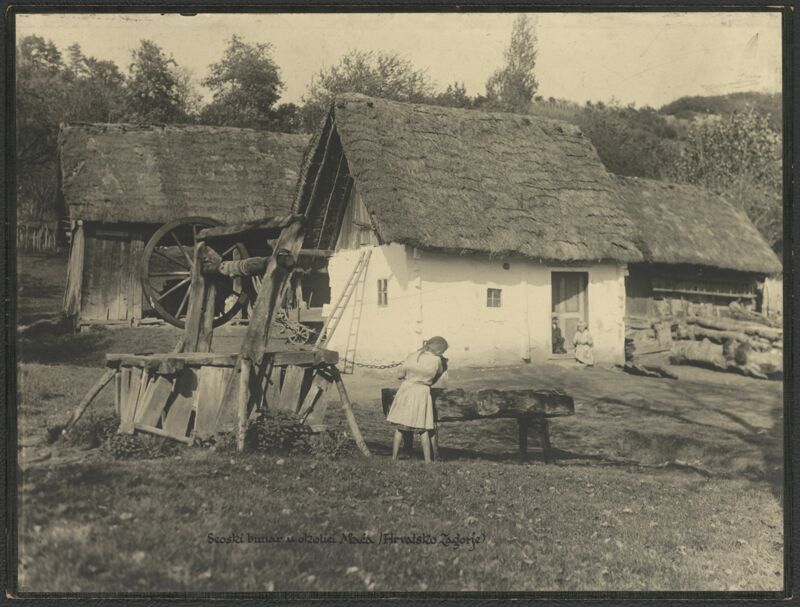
(356,277)
(358,305)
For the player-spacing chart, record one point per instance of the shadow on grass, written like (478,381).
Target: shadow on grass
(84,349)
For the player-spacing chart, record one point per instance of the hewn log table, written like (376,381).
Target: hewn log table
(531,408)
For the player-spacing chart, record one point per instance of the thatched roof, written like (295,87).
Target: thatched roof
(470,181)
(684,224)
(125,173)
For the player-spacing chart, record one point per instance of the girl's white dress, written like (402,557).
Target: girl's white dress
(583,347)
(412,407)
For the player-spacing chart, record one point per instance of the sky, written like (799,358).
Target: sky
(642,58)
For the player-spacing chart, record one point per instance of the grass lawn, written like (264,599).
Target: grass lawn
(660,485)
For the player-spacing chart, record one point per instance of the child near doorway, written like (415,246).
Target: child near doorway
(583,345)
(558,338)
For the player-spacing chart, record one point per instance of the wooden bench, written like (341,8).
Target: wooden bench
(531,408)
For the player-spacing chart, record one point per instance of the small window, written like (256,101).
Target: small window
(383,291)
(493,298)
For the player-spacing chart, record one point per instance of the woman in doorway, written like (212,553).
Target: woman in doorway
(583,345)
(412,409)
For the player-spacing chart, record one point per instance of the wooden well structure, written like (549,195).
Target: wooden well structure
(193,393)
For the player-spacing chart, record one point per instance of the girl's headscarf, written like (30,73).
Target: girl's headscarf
(429,344)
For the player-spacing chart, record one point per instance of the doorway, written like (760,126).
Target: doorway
(570,304)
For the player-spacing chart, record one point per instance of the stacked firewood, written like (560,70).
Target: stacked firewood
(751,346)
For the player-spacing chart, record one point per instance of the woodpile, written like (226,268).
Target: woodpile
(749,344)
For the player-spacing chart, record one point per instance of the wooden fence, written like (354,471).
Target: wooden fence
(32,237)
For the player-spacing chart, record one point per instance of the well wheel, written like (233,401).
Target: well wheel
(167,264)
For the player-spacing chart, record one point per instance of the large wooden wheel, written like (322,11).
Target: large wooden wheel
(166,272)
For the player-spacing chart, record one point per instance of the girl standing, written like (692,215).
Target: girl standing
(583,345)
(412,409)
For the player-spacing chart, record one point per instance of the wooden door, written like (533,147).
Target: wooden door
(570,302)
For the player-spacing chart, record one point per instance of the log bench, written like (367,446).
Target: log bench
(531,408)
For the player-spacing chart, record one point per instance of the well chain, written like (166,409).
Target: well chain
(374,365)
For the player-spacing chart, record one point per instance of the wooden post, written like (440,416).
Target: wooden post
(244,398)
(195,330)
(272,286)
(90,396)
(348,413)
(544,433)
(522,426)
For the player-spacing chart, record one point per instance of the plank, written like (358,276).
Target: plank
(160,432)
(272,393)
(208,400)
(127,407)
(273,224)
(117,391)
(136,250)
(291,391)
(123,280)
(312,411)
(182,405)
(154,401)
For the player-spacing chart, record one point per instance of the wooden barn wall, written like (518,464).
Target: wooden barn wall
(642,301)
(111,289)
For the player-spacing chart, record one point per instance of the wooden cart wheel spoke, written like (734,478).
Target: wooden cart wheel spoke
(170,259)
(228,250)
(184,302)
(182,249)
(173,289)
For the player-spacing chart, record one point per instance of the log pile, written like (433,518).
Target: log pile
(751,346)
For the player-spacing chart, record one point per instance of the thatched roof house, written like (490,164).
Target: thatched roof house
(479,226)
(122,173)
(119,183)
(469,181)
(685,224)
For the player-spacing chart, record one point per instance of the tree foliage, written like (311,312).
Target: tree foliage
(381,74)
(512,87)
(245,84)
(157,90)
(739,155)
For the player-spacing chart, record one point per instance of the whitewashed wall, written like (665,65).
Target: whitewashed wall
(384,333)
(442,294)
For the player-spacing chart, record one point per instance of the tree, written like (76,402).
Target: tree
(512,87)
(97,88)
(454,96)
(739,155)
(381,74)
(157,90)
(246,84)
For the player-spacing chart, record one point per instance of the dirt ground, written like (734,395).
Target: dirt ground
(659,485)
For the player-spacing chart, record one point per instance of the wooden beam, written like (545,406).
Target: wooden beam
(317,252)
(348,413)
(273,224)
(330,198)
(90,396)
(307,210)
(243,401)
(256,338)
(197,304)
(458,405)
(172,362)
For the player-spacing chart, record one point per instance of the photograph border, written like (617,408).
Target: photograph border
(790,30)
